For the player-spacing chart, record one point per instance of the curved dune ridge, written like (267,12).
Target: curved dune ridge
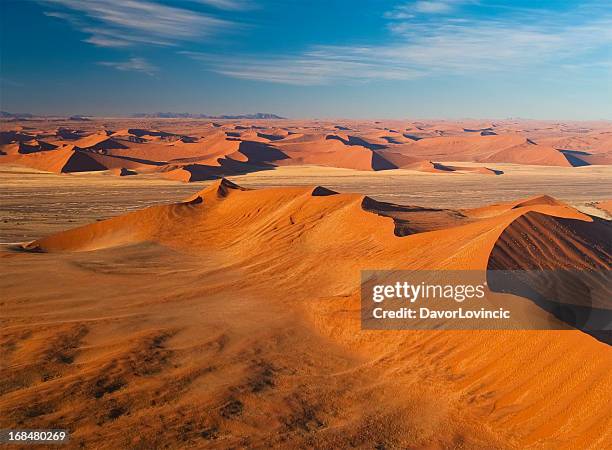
(282,207)
(195,151)
(539,233)
(232,319)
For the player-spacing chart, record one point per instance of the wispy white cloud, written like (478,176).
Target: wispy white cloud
(402,12)
(437,6)
(57,15)
(112,23)
(321,65)
(409,10)
(100,40)
(227,4)
(451,46)
(132,65)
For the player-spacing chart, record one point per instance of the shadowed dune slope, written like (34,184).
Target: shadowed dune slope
(567,244)
(62,160)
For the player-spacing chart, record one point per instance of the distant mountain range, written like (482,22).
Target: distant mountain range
(8,115)
(157,115)
(169,115)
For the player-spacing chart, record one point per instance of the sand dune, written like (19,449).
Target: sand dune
(231,319)
(97,141)
(433,167)
(530,153)
(606,206)
(62,160)
(510,148)
(321,212)
(258,212)
(31,146)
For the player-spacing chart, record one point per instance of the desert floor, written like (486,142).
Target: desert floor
(36,203)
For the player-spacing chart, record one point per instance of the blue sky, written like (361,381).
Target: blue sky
(355,59)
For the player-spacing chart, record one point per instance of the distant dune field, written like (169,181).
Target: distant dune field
(195,150)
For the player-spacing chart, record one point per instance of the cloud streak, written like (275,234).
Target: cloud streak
(132,65)
(229,5)
(433,7)
(321,65)
(111,23)
(412,9)
(449,45)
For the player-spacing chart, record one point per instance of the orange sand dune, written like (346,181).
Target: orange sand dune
(494,210)
(190,172)
(232,320)
(207,150)
(433,167)
(276,273)
(160,223)
(31,146)
(273,134)
(97,141)
(593,142)
(508,148)
(466,145)
(529,153)
(387,159)
(606,206)
(276,211)
(61,160)
(429,166)
(319,150)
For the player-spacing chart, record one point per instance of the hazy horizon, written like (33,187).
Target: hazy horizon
(136,116)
